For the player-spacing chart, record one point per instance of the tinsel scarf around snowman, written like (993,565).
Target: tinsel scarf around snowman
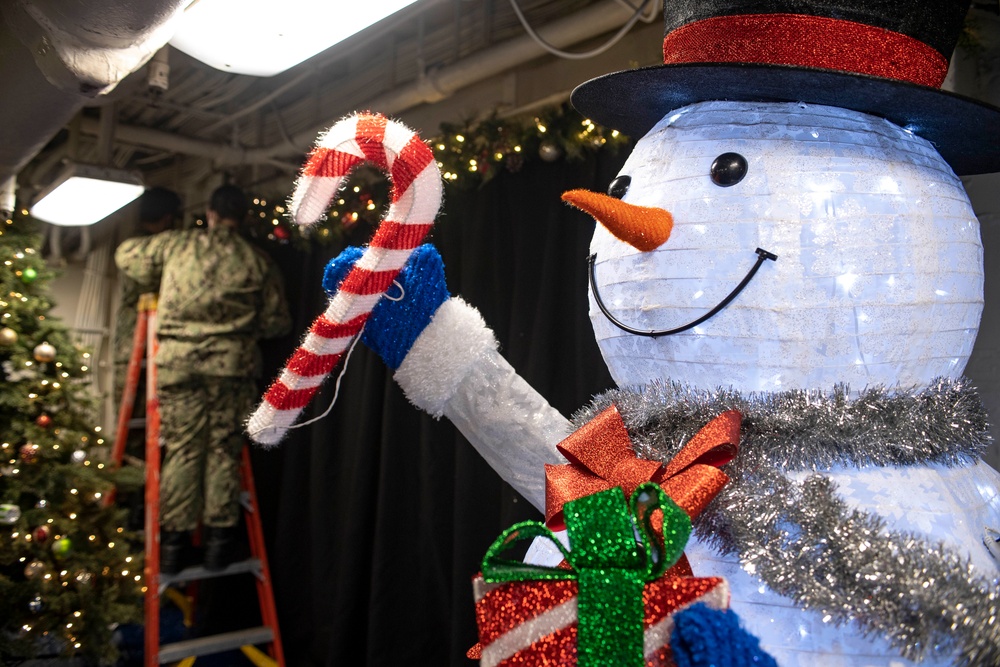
(799,532)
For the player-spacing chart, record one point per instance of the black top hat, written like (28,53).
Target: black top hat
(883,57)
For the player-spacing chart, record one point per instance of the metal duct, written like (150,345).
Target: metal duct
(56,56)
(436,85)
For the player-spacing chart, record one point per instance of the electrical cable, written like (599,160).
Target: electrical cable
(336,387)
(586,54)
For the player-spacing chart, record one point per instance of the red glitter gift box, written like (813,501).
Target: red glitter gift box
(612,600)
(535,622)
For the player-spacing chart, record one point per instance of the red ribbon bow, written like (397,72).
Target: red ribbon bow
(601,457)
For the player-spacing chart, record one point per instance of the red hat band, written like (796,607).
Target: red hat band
(806,41)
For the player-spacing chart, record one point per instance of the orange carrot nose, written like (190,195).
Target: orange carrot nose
(644,228)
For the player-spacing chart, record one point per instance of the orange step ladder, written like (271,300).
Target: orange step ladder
(185,652)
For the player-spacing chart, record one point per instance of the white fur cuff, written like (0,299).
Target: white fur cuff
(443,354)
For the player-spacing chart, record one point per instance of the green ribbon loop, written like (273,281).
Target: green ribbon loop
(676,531)
(499,570)
(608,563)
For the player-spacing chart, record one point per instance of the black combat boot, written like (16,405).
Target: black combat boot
(174,546)
(220,546)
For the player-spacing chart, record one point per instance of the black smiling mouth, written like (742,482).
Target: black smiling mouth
(762,255)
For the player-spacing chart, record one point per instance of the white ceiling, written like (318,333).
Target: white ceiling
(439,60)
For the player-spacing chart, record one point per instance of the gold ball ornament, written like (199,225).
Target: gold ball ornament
(8,337)
(44,352)
(34,569)
(29,452)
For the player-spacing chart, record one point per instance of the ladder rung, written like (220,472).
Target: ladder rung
(214,644)
(199,572)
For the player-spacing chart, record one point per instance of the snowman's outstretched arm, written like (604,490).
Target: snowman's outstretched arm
(445,359)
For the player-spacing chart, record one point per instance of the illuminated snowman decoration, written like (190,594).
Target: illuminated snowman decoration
(805,246)
(759,247)
(806,231)
(868,257)
(791,219)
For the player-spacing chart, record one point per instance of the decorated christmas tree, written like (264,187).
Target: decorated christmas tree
(69,570)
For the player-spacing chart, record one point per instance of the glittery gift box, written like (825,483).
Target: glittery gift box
(535,622)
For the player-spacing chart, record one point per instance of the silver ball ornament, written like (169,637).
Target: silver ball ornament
(78,456)
(549,151)
(35,605)
(9,514)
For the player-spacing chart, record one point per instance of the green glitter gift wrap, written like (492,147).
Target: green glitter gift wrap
(613,602)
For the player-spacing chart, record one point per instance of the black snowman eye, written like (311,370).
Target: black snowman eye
(728,169)
(619,186)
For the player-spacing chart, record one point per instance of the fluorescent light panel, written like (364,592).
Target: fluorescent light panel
(265,37)
(84,194)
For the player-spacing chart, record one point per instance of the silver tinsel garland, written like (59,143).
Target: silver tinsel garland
(799,537)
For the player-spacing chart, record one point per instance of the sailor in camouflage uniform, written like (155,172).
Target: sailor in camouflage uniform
(218,295)
(159,209)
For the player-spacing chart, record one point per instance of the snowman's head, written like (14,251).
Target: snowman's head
(879,269)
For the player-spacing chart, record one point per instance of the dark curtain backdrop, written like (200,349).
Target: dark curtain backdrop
(377,516)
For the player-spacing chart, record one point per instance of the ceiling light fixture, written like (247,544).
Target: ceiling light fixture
(263,37)
(83,194)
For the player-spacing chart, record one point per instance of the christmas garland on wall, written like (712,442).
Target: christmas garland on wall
(468,155)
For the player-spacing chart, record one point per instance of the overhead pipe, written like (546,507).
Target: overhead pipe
(56,56)
(435,85)
(430,87)
(106,135)
(173,143)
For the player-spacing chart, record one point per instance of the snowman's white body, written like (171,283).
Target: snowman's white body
(878,281)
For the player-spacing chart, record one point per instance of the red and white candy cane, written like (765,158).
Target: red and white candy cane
(416,197)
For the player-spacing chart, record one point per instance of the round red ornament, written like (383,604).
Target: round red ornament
(42,534)
(29,452)
(44,421)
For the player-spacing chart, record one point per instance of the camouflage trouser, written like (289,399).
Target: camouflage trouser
(202,431)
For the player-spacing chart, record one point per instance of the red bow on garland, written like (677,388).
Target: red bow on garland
(601,457)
